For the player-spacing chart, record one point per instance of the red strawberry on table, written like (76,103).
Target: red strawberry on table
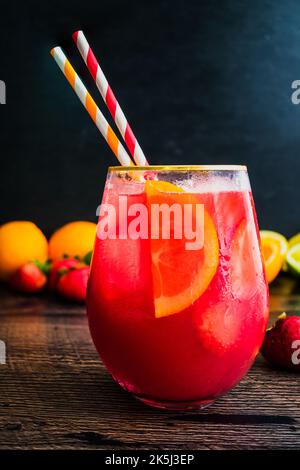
(59,267)
(73,283)
(29,278)
(281,345)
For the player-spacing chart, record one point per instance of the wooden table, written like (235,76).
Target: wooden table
(55,393)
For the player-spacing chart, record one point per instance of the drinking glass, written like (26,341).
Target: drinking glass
(177,297)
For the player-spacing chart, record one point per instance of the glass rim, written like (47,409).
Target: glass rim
(179,168)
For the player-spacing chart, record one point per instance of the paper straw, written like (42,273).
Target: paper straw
(109,98)
(91,107)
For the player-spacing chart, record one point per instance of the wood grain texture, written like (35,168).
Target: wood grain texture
(55,393)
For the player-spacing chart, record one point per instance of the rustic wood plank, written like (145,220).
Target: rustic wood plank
(55,393)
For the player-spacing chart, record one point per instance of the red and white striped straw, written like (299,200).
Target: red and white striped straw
(109,98)
(91,107)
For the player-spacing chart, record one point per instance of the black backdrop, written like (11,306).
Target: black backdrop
(201,82)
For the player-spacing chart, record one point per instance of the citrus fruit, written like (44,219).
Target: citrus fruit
(291,242)
(294,240)
(274,249)
(293,259)
(180,275)
(20,242)
(73,239)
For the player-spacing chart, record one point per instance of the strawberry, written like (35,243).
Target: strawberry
(28,278)
(73,283)
(59,267)
(281,345)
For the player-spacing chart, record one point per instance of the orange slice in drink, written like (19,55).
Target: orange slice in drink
(180,275)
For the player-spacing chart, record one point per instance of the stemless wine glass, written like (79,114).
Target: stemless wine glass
(177,298)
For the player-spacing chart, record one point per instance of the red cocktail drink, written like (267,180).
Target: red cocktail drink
(178,323)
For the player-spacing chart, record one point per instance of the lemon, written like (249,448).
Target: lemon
(294,240)
(293,259)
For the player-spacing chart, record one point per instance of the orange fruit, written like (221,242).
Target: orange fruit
(180,276)
(20,242)
(73,239)
(274,247)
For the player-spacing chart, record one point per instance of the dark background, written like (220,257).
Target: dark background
(200,81)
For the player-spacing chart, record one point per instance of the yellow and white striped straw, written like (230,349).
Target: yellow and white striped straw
(91,107)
